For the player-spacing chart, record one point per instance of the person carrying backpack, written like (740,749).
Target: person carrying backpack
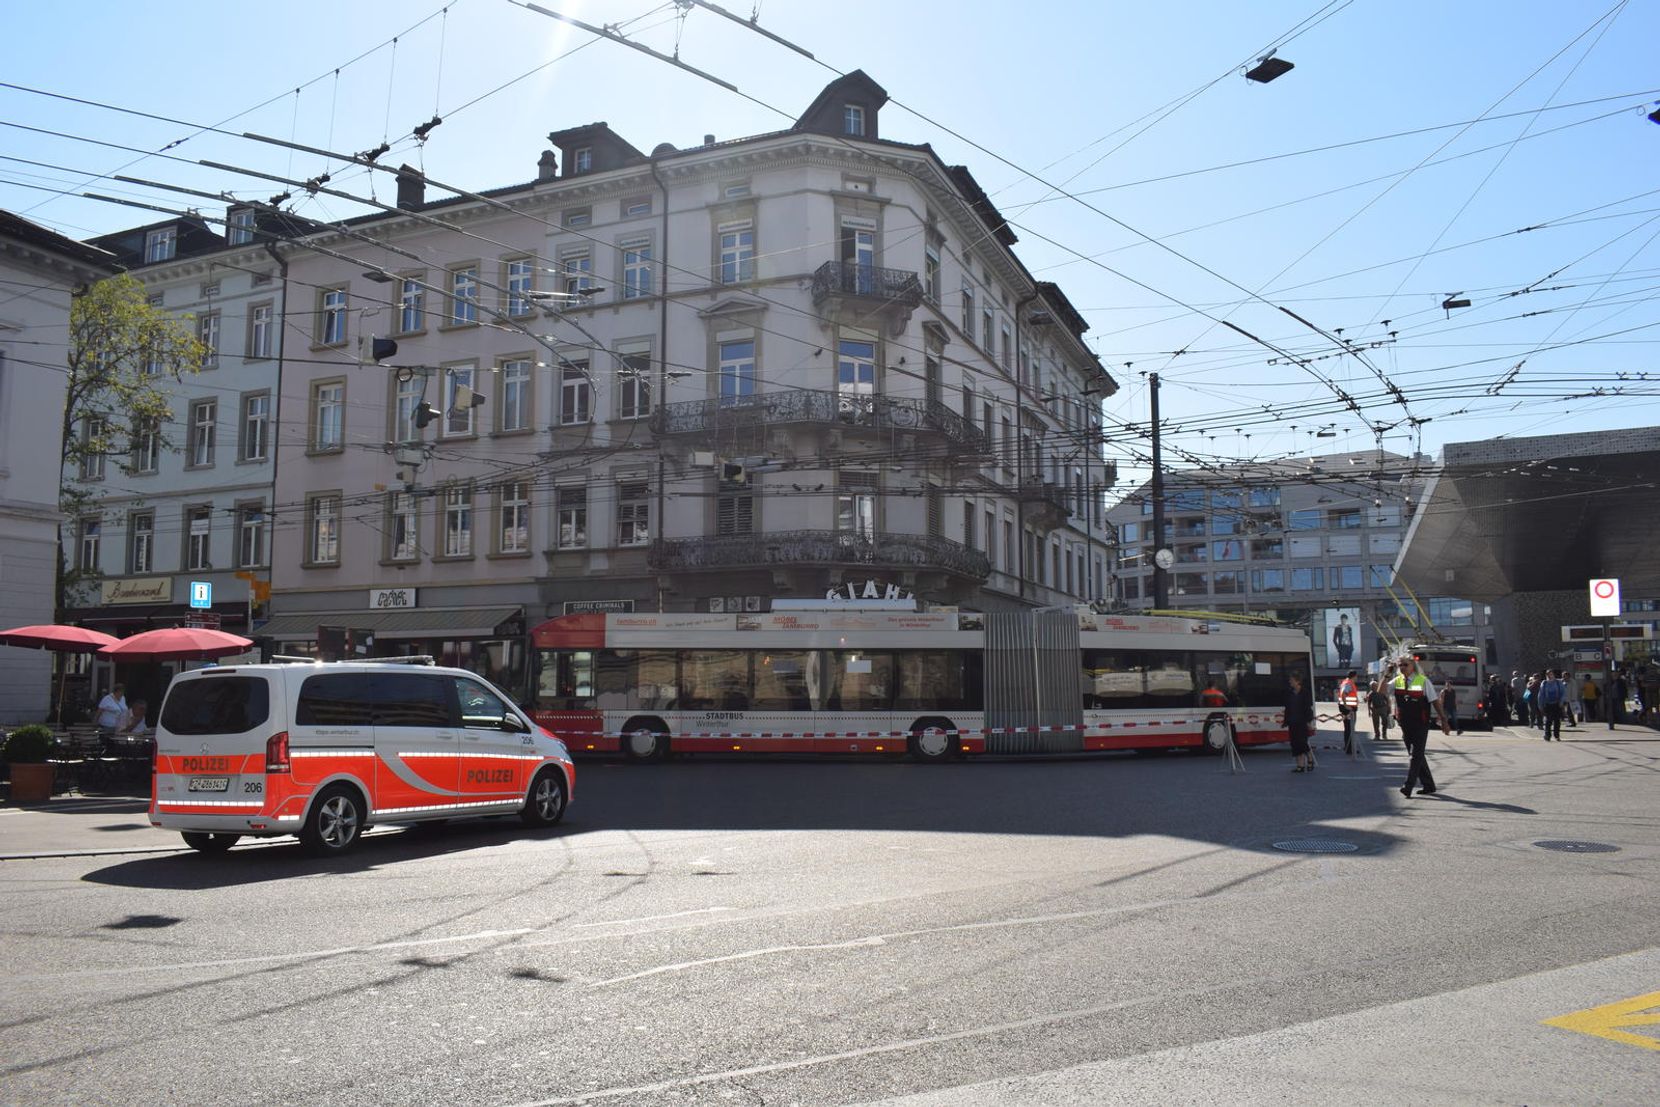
(1551,695)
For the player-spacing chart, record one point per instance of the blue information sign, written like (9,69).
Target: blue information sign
(201,593)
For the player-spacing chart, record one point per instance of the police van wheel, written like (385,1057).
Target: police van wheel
(545,805)
(335,823)
(209,843)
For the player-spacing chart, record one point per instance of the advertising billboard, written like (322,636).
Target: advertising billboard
(1337,638)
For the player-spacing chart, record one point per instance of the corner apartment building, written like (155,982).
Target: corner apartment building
(1307,540)
(188,501)
(39,273)
(698,379)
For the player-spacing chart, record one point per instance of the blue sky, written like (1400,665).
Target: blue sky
(1209,197)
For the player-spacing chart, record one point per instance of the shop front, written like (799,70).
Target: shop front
(489,641)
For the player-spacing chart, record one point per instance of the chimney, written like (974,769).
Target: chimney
(412,188)
(547,166)
(708,140)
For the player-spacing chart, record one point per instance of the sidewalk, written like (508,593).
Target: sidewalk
(81,826)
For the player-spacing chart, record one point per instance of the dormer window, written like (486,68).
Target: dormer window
(853,119)
(160,244)
(239,227)
(582,160)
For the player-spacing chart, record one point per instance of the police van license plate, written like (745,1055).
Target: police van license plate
(210,783)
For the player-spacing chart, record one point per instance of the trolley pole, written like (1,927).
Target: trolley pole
(1161,578)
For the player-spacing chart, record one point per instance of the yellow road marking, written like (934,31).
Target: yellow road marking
(1605,1021)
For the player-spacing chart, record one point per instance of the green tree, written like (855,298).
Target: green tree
(123,353)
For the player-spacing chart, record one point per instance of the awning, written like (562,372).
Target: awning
(431,622)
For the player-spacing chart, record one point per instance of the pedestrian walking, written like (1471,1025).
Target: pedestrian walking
(1518,696)
(1348,706)
(1617,693)
(1449,708)
(1415,700)
(1551,694)
(1588,699)
(1377,703)
(1299,722)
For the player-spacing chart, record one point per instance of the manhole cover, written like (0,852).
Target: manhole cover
(1570,846)
(1316,845)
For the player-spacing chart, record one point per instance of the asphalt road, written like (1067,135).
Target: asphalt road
(1104,930)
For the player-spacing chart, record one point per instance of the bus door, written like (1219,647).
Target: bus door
(1033,680)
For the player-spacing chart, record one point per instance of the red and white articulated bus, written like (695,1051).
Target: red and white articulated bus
(930,684)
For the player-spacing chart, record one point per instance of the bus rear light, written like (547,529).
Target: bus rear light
(276,753)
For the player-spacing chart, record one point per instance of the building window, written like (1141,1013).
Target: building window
(1384,515)
(1308,580)
(1267,547)
(578,267)
(403,536)
(1348,576)
(160,244)
(464,296)
(458,520)
(1265,497)
(256,426)
(323,530)
(141,552)
(207,331)
(636,255)
(575,393)
(406,398)
(734,508)
(582,161)
(931,267)
(737,369)
(737,252)
(1230,549)
(514,408)
(521,281)
(1008,545)
(1305,546)
(198,552)
(853,120)
(1267,580)
(578,217)
(1309,519)
(634,386)
(513,533)
(460,410)
(1006,348)
(991,538)
(250,544)
(572,504)
(638,206)
(146,447)
(328,416)
(988,340)
(1383,543)
(1228,583)
(633,514)
(260,331)
(412,299)
(239,226)
(968,523)
(968,312)
(204,415)
(89,546)
(968,402)
(1380,576)
(94,431)
(856,504)
(331,322)
(855,376)
(858,253)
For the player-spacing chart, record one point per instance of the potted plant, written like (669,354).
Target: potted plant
(28,749)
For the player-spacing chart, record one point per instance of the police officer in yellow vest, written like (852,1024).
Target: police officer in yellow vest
(1415,700)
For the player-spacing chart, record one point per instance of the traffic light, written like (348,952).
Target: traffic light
(733,473)
(382,348)
(424,414)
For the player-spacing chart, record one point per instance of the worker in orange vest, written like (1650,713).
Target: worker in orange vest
(1213,696)
(1348,706)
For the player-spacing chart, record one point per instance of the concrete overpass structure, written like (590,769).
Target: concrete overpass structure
(1523,523)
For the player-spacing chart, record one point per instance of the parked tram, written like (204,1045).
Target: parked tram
(930,684)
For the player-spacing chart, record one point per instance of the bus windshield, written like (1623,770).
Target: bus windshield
(1449,666)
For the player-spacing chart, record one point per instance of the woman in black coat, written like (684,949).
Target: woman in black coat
(1299,719)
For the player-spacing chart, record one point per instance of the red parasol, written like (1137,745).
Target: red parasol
(61,639)
(176,644)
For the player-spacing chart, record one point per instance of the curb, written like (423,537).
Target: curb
(92,853)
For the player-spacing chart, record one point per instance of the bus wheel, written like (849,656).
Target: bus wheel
(209,843)
(1215,735)
(645,743)
(933,740)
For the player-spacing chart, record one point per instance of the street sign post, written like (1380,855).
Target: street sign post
(1605,605)
(201,593)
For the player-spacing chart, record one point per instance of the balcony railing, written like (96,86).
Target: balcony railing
(812,407)
(786,548)
(899,287)
(1048,498)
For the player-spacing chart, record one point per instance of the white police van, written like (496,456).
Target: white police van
(325,750)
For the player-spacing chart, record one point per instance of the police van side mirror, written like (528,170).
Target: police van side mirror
(513,724)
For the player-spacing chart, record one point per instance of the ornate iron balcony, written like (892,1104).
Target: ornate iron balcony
(1050,500)
(899,287)
(804,406)
(818,547)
